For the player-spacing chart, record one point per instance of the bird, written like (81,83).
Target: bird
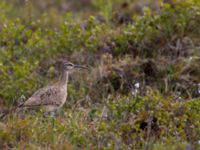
(52,97)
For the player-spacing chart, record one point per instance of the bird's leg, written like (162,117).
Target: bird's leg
(49,114)
(53,114)
(53,121)
(45,114)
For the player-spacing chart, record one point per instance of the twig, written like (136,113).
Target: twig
(150,119)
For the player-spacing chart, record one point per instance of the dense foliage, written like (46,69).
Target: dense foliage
(143,87)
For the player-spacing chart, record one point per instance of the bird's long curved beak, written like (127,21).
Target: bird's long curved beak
(80,66)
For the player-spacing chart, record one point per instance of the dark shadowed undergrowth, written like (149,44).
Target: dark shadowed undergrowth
(142,90)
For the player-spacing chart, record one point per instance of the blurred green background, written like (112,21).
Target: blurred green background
(142,89)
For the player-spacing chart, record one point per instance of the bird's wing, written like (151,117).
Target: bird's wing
(44,96)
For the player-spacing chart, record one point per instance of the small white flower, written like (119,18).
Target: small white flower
(179,98)
(198,142)
(65,22)
(105,112)
(135,89)
(137,85)
(134,92)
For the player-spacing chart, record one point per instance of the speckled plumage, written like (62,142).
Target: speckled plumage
(49,98)
(52,97)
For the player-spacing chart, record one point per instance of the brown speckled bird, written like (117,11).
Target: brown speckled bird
(53,97)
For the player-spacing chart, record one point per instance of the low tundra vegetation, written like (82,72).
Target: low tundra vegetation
(142,90)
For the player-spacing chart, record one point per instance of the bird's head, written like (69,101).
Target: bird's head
(68,66)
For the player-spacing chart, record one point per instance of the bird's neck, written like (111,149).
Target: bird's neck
(64,77)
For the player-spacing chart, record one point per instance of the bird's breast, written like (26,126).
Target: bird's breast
(63,95)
